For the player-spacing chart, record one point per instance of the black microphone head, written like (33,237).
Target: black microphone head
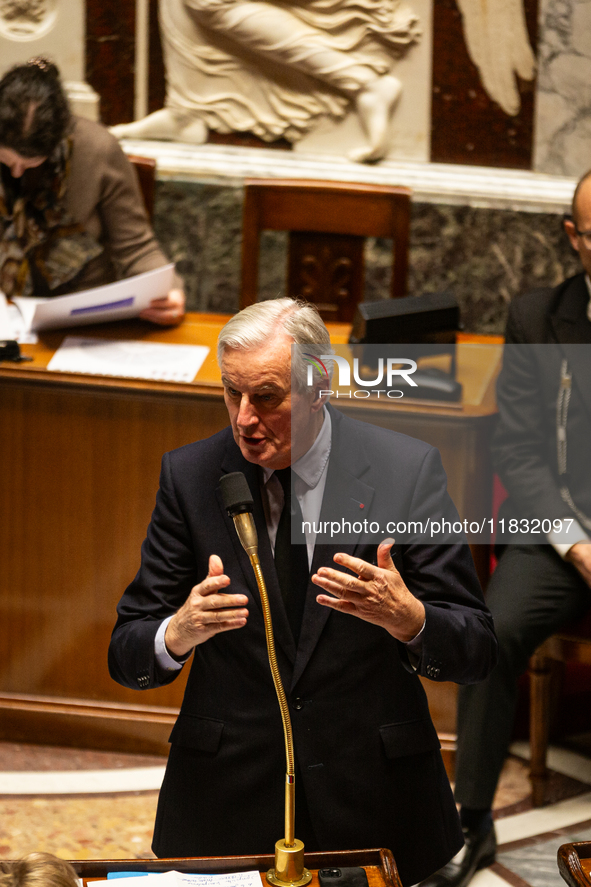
(236,493)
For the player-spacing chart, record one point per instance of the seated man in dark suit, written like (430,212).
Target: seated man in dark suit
(541,452)
(367,755)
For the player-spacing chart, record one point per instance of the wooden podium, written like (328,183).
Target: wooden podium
(379,865)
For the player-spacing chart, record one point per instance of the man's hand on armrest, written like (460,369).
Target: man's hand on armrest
(580,557)
(206,612)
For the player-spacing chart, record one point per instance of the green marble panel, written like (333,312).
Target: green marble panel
(484,256)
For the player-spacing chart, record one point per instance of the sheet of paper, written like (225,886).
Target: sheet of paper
(22,311)
(115,301)
(182,879)
(151,879)
(7,330)
(231,879)
(129,359)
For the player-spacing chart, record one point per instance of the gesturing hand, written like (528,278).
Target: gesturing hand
(206,612)
(376,594)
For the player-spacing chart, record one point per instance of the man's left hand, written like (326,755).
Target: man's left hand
(376,594)
(167,311)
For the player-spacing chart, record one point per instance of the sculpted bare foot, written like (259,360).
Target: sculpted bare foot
(375,105)
(195,132)
(163,124)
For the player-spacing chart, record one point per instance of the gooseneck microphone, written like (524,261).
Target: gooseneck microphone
(238,502)
(289,852)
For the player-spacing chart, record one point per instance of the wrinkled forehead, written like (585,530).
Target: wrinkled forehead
(269,364)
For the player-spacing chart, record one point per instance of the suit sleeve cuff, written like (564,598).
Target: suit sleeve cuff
(163,658)
(414,647)
(563,545)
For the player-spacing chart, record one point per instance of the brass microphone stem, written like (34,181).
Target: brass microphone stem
(287,731)
(289,869)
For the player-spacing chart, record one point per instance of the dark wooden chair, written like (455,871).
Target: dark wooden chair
(327,223)
(570,645)
(574,863)
(145,168)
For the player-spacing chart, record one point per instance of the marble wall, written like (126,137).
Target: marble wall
(563,112)
(485,256)
(54,29)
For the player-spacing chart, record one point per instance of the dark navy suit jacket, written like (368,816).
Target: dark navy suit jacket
(365,744)
(545,327)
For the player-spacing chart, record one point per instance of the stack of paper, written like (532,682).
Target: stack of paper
(181,879)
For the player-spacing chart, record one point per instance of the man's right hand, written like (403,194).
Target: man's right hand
(205,612)
(580,557)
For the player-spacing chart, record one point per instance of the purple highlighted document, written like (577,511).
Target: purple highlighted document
(115,301)
(120,303)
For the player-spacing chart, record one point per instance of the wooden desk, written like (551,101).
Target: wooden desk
(80,459)
(574,863)
(379,865)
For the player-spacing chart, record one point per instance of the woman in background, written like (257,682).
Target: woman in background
(71,212)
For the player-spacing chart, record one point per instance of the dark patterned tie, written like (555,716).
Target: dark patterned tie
(291,559)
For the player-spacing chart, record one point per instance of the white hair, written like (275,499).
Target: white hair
(252,327)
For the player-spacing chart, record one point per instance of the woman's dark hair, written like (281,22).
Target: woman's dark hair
(34,111)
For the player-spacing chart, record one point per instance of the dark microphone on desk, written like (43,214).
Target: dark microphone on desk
(289,868)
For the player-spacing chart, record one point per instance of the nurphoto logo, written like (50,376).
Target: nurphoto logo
(389,371)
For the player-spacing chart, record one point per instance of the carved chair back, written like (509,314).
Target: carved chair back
(327,224)
(145,168)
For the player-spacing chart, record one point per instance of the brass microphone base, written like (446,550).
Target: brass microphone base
(289,868)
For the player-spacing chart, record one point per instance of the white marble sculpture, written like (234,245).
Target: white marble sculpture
(498,43)
(274,67)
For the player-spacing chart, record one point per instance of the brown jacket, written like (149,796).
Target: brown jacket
(104,196)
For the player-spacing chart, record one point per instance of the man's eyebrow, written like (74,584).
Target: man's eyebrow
(264,387)
(268,386)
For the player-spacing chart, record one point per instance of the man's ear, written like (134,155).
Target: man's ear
(571,232)
(319,400)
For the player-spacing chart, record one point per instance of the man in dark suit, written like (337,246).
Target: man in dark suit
(541,452)
(368,762)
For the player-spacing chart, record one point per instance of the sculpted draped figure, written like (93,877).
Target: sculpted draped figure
(273,68)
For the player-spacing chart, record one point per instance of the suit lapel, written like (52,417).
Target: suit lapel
(234,461)
(579,361)
(572,329)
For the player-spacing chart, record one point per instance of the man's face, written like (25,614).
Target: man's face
(582,224)
(262,409)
